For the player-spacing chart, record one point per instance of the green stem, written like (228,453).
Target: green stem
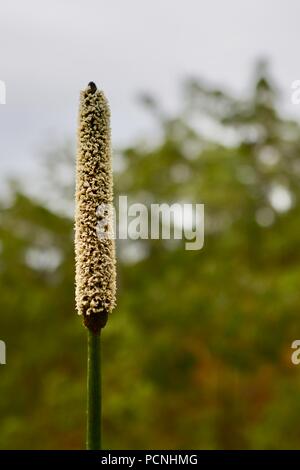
(93,441)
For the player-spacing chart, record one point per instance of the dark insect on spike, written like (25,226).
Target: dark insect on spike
(93,87)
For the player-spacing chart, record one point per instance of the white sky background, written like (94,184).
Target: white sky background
(50,49)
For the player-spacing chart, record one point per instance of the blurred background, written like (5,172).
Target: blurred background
(197,354)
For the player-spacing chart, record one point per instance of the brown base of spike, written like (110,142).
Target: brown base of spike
(96,321)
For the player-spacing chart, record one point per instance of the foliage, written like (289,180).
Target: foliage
(197,354)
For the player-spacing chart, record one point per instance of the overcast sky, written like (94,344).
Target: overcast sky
(50,49)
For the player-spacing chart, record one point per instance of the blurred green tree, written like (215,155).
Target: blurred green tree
(197,354)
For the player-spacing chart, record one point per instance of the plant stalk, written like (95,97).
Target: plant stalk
(93,441)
